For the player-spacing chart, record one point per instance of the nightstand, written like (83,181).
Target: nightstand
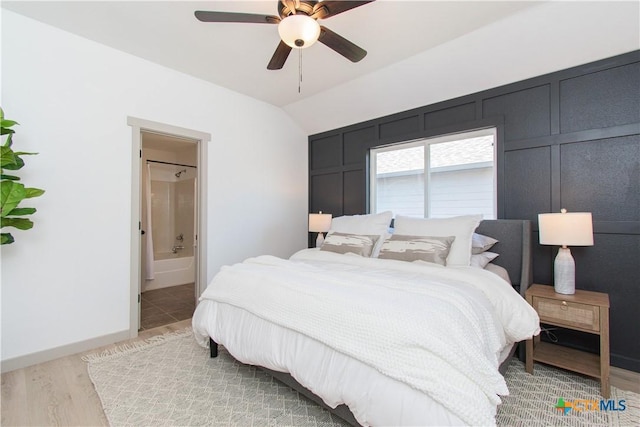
(584,311)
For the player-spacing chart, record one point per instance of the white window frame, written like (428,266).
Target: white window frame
(492,131)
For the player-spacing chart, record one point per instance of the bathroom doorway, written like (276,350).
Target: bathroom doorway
(169,222)
(168,229)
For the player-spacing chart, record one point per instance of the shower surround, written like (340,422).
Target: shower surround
(170,199)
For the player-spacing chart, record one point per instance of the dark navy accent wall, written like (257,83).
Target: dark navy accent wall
(569,139)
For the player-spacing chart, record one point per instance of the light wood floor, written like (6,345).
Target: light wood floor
(60,393)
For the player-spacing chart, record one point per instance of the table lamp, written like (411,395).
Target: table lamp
(565,229)
(319,223)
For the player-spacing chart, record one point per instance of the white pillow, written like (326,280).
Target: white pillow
(461,227)
(481,260)
(481,243)
(371,224)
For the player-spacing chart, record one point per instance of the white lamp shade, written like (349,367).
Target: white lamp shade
(566,229)
(299,31)
(319,223)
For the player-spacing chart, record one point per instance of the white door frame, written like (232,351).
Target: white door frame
(202,139)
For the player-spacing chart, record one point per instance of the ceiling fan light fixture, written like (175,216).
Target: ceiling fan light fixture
(299,31)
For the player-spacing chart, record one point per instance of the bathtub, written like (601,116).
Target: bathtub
(171,271)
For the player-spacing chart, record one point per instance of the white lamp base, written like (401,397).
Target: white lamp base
(564,272)
(319,240)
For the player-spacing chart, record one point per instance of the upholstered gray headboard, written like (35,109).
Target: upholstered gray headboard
(514,247)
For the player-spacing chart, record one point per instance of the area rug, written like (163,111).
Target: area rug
(169,380)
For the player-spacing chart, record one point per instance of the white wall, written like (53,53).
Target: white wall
(539,40)
(67,279)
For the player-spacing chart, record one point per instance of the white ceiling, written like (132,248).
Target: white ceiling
(410,33)
(236,55)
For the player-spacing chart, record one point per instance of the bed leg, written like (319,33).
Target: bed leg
(213,348)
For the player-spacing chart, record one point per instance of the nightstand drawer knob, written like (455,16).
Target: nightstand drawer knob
(564,305)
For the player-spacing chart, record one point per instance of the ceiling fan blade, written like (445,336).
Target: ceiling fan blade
(279,56)
(249,18)
(341,45)
(328,8)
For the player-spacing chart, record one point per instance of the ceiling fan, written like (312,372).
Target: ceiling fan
(298,26)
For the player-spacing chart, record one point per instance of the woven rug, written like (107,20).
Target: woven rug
(169,380)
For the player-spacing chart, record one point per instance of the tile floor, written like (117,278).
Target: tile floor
(167,305)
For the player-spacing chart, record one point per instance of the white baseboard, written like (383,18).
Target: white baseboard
(62,351)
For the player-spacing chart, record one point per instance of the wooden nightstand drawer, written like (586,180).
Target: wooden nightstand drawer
(584,311)
(565,313)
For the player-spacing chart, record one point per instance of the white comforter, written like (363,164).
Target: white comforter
(439,330)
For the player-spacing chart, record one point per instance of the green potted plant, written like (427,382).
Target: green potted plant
(13,192)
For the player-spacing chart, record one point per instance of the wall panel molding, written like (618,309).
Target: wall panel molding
(573,137)
(563,138)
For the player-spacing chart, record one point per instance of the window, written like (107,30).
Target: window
(436,177)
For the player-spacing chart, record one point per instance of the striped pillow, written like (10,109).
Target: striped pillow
(417,248)
(344,243)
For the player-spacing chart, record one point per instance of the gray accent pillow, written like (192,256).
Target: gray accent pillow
(462,227)
(481,243)
(481,260)
(343,243)
(417,248)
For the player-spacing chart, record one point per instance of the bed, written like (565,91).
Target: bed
(377,339)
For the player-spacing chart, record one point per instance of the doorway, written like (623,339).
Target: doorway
(168,229)
(168,223)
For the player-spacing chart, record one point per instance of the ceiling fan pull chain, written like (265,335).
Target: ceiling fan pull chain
(299,69)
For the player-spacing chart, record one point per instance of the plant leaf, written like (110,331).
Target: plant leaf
(6,239)
(19,223)
(7,156)
(10,177)
(9,141)
(6,131)
(33,192)
(11,194)
(22,211)
(19,163)
(7,123)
